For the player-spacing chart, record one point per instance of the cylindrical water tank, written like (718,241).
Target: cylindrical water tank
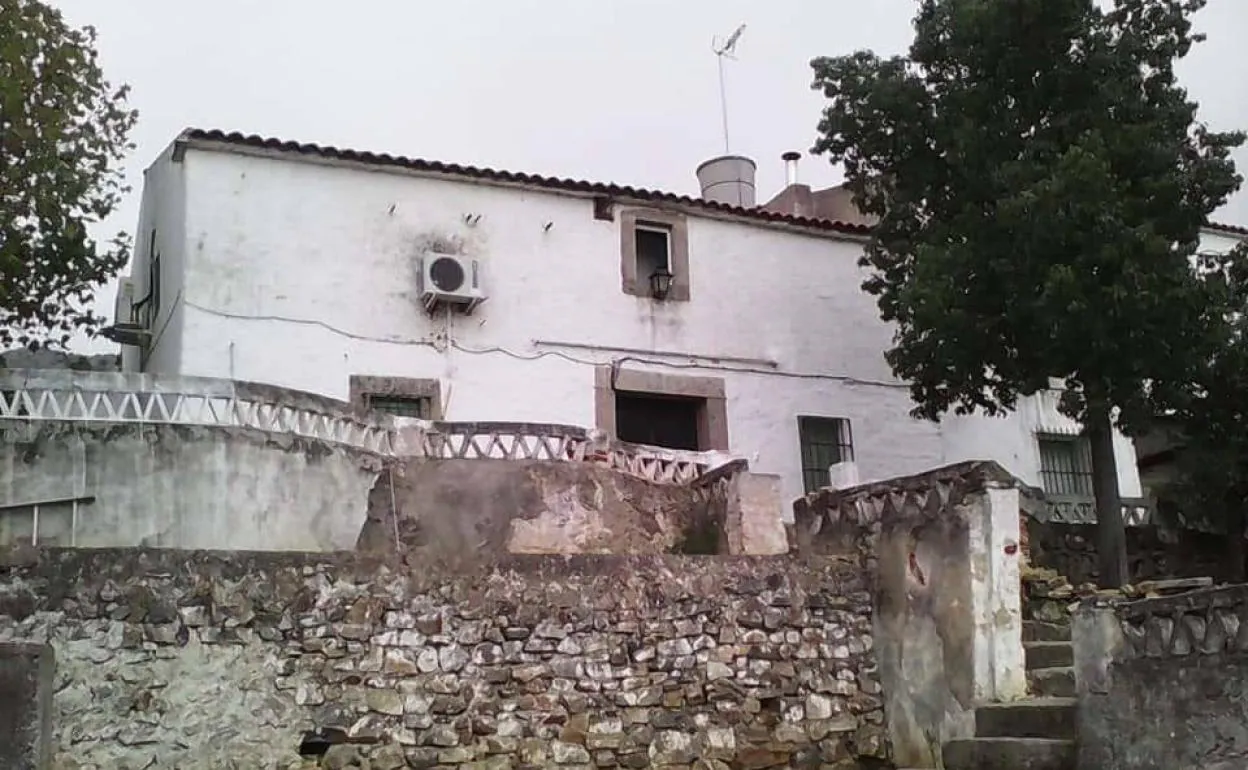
(728,179)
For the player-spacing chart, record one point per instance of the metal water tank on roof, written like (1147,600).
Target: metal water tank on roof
(728,179)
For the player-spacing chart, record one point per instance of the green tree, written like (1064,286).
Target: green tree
(1210,419)
(63,134)
(1040,182)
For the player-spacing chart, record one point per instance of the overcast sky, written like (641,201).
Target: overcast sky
(613,90)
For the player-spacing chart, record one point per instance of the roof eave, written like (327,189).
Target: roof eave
(192,139)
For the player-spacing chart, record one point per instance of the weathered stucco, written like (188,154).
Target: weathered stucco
(1163,683)
(26,672)
(180,486)
(479,508)
(185,660)
(942,548)
(465,510)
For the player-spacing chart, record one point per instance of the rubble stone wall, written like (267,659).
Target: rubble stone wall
(176,659)
(1152,553)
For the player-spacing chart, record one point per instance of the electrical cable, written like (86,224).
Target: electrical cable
(541,354)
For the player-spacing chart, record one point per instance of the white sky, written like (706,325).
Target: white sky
(612,90)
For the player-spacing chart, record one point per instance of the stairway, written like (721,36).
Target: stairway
(1033,734)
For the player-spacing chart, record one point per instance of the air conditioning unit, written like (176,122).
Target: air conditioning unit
(450,279)
(127,328)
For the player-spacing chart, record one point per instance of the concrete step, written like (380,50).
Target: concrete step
(1048,654)
(1009,754)
(1039,631)
(1051,682)
(1032,718)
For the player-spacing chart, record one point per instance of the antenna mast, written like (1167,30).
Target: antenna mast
(726,49)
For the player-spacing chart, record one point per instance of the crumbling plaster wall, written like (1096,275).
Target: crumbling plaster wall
(185,660)
(472,509)
(166,485)
(490,507)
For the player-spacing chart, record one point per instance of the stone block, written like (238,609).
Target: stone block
(26,681)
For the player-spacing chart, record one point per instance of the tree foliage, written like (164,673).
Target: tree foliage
(1040,182)
(1210,421)
(63,134)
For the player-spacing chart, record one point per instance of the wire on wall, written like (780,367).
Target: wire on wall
(445,340)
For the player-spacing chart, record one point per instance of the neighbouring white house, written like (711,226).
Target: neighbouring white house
(470,294)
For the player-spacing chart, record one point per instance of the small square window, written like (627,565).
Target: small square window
(654,250)
(420,407)
(654,241)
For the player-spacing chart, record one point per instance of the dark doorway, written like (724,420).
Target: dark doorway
(666,421)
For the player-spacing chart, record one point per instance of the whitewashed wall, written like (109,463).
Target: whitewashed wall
(1011,441)
(162,212)
(301,274)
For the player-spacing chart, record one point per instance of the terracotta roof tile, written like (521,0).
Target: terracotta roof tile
(1231,229)
(552,183)
(536,180)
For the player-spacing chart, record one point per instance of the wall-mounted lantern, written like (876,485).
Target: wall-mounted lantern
(660,283)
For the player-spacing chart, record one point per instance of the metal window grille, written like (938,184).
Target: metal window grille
(825,441)
(420,407)
(1065,465)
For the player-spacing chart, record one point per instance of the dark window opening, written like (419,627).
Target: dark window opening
(1065,465)
(664,421)
(420,407)
(825,441)
(654,251)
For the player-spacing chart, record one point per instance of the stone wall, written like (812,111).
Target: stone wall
(188,660)
(943,550)
(1163,683)
(1152,552)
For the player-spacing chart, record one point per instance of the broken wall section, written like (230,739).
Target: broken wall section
(469,510)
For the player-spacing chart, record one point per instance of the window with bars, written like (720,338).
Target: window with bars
(1065,465)
(825,441)
(420,407)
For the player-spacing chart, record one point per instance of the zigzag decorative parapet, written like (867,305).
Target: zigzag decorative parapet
(1211,621)
(915,498)
(541,441)
(115,397)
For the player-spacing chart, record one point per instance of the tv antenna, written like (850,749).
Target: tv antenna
(726,49)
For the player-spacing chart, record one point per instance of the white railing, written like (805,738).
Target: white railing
(119,398)
(1081,509)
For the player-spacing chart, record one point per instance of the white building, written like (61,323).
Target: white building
(301,266)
